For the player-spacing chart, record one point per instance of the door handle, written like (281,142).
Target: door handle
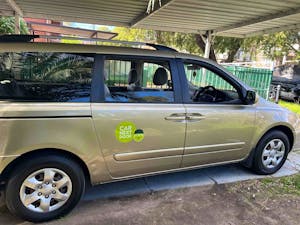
(176,117)
(194,116)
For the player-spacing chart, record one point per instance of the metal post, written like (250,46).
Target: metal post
(277,93)
(207,40)
(208,44)
(17,24)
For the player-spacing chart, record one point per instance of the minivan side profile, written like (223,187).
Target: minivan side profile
(75,115)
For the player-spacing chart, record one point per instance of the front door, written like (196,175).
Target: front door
(140,123)
(219,126)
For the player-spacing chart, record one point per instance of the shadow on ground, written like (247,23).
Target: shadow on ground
(112,203)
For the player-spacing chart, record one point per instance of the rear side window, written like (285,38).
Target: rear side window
(138,81)
(50,77)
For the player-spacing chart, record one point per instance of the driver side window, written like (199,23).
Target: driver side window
(206,86)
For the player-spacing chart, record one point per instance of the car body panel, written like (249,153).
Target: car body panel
(223,134)
(270,115)
(162,146)
(26,127)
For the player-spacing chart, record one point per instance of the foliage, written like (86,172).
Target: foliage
(132,34)
(180,41)
(275,45)
(55,67)
(280,44)
(294,107)
(230,45)
(7,26)
(68,41)
(284,185)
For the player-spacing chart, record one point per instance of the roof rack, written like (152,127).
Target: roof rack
(17,38)
(30,38)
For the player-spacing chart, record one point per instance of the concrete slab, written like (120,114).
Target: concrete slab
(117,189)
(230,173)
(294,158)
(287,169)
(178,180)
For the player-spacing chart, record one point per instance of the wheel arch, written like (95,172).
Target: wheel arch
(283,128)
(46,152)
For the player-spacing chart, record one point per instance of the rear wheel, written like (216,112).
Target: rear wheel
(44,188)
(271,152)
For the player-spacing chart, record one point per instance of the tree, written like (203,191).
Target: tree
(7,26)
(274,46)
(191,43)
(230,45)
(132,34)
(277,45)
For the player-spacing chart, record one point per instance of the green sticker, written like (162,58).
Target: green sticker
(125,131)
(138,135)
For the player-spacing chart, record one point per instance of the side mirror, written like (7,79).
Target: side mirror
(250,97)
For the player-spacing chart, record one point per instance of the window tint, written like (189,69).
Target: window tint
(54,77)
(138,81)
(206,86)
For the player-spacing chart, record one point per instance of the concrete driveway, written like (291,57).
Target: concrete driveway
(200,177)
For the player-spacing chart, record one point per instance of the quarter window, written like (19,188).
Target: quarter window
(138,81)
(53,77)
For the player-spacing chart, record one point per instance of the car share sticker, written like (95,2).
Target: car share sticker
(138,135)
(126,132)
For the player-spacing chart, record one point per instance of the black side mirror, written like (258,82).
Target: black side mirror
(250,97)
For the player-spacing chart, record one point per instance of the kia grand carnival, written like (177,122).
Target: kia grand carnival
(74,115)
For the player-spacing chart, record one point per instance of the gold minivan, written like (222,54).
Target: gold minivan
(75,115)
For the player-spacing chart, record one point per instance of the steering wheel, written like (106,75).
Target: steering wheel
(207,94)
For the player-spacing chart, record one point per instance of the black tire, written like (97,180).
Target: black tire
(257,165)
(22,171)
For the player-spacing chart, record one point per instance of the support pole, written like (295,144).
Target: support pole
(208,44)
(17,24)
(207,40)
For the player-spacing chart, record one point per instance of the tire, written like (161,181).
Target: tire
(55,197)
(268,160)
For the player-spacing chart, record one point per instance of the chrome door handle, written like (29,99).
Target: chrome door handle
(195,116)
(176,117)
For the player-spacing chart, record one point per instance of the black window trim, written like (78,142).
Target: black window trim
(98,94)
(214,69)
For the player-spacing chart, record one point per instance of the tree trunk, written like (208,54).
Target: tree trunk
(201,45)
(231,55)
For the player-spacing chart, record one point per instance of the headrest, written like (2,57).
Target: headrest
(132,76)
(160,76)
(105,75)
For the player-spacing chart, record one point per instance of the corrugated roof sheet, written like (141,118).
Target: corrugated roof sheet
(226,17)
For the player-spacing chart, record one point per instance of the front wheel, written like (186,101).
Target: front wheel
(44,188)
(271,153)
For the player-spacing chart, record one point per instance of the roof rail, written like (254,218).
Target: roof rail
(17,38)
(30,38)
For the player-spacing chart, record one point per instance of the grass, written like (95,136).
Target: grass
(294,107)
(284,185)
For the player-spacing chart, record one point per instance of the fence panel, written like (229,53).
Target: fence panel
(258,79)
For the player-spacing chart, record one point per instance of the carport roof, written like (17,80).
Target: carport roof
(224,17)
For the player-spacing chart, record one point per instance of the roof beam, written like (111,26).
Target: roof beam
(75,19)
(274,30)
(146,15)
(15,7)
(259,20)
